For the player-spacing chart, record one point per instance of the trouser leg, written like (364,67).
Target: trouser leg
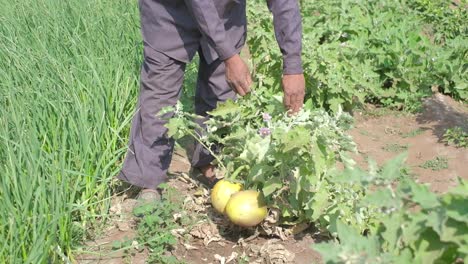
(150,150)
(212,88)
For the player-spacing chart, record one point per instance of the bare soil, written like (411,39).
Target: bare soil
(379,134)
(382,136)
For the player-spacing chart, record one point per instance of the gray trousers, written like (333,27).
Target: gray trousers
(150,150)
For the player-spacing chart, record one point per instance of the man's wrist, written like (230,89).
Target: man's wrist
(231,59)
(292,65)
(225,51)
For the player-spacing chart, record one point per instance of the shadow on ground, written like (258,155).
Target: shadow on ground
(441,113)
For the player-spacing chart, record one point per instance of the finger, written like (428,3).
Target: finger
(240,90)
(292,106)
(245,87)
(249,80)
(287,101)
(297,103)
(236,88)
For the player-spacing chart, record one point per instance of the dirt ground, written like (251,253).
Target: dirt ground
(383,137)
(379,134)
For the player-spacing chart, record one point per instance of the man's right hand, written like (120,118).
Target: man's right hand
(238,75)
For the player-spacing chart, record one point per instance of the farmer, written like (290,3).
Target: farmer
(173,31)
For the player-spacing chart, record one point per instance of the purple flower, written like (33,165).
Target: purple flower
(266,117)
(264,131)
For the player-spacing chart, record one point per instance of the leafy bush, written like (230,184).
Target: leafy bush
(292,160)
(418,227)
(355,52)
(446,19)
(456,136)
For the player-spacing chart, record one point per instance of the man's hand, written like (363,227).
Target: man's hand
(238,75)
(294,91)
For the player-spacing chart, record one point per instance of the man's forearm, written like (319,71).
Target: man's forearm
(288,32)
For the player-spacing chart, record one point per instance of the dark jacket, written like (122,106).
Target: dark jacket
(179,28)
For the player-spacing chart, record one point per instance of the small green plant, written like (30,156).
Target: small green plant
(416,226)
(456,137)
(243,260)
(395,147)
(365,133)
(156,223)
(437,164)
(412,133)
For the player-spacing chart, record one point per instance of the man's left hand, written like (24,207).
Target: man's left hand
(294,91)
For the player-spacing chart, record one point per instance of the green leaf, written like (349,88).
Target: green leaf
(319,203)
(271,186)
(423,196)
(456,232)
(461,189)
(392,169)
(350,175)
(226,108)
(414,226)
(319,157)
(404,257)
(428,248)
(330,252)
(456,207)
(347,234)
(295,138)
(255,149)
(436,219)
(356,244)
(382,198)
(392,231)
(258,172)
(175,127)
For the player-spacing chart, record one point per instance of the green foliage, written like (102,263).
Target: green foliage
(395,147)
(68,84)
(437,164)
(155,225)
(375,216)
(418,227)
(446,19)
(456,137)
(355,52)
(289,162)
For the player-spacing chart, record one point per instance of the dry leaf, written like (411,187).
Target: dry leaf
(178,232)
(177,216)
(207,241)
(189,247)
(233,256)
(272,252)
(273,216)
(276,253)
(123,226)
(222,260)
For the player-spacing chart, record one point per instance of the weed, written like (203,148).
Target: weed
(243,259)
(437,164)
(412,133)
(156,223)
(365,133)
(395,147)
(456,137)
